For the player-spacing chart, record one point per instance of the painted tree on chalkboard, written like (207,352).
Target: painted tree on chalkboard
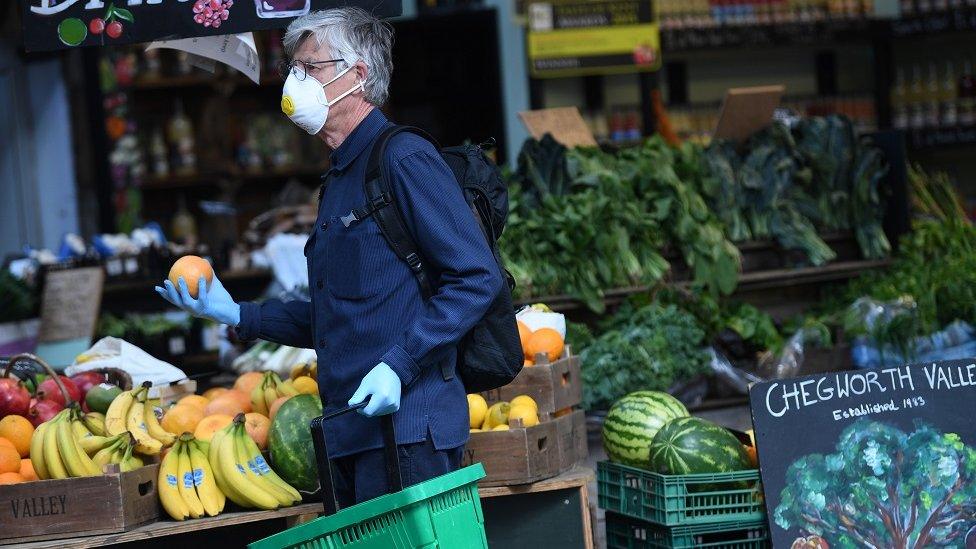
(883,489)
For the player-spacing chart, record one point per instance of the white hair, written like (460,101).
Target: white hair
(352,34)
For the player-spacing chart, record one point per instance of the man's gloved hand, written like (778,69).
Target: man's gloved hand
(213,303)
(383,386)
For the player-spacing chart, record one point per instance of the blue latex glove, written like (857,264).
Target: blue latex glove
(213,303)
(383,386)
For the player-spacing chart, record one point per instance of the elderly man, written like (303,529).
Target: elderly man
(374,334)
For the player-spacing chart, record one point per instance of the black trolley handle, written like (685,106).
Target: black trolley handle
(329,503)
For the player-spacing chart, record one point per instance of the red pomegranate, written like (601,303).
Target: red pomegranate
(87,380)
(14,398)
(49,390)
(43,410)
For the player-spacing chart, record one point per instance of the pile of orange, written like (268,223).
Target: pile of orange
(15,438)
(544,341)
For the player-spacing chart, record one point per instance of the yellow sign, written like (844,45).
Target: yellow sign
(577,38)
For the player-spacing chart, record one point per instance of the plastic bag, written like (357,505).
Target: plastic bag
(735,378)
(789,362)
(111,352)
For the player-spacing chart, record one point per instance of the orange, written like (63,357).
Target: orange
(11,478)
(257,426)
(247,382)
(753,457)
(546,341)
(528,362)
(275,405)
(182,418)
(524,334)
(211,424)
(214,392)
(19,431)
(191,268)
(194,400)
(306,385)
(27,469)
(9,460)
(4,443)
(244,399)
(230,403)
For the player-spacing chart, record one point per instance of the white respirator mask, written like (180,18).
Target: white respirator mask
(305,103)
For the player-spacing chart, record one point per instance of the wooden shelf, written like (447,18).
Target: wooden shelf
(750,281)
(170,528)
(116,288)
(795,33)
(940,138)
(177,181)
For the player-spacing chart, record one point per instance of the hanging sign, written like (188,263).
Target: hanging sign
(870,458)
(578,37)
(59,24)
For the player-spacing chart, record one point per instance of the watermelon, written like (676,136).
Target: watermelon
(290,441)
(633,421)
(691,445)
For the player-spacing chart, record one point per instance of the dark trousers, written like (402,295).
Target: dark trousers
(361,477)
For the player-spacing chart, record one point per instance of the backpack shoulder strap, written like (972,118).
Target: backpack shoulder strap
(390,221)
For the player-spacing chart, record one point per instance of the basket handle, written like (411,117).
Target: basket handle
(329,502)
(11,363)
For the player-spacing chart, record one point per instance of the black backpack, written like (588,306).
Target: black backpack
(490,355)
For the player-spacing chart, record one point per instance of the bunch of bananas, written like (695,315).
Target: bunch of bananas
(242,473)
(305,369)
(187,485)
(269,390)
(73,444)
(132,412)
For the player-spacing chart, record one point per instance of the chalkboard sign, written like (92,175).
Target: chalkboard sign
(70,303)
(871,458)
(59,24)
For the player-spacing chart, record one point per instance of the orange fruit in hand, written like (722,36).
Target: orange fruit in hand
(27,469)
(11,478)
(546,341)
(194,400)
(258,426)
(247,382)
(182,418)
(19,431)
(191,268)
(275,405)
(524,334)
(211,424)
(9,459)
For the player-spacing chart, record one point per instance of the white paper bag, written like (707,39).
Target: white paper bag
(111,352)
(536,319)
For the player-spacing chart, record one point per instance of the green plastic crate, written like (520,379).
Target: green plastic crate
(676,500)
(444,512)
(629,533)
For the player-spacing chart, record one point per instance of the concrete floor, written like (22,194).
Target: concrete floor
(738,418)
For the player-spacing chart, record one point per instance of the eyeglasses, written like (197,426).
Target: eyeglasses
(301,68)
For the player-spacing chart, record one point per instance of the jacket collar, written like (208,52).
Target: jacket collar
(361,137)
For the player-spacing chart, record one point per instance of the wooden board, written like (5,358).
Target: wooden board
(564,123)
(517,456)
(70,303)
(572,444)
(554,386)
(746,111)
(555,518)
(172,528)
(574,478)
(104,504)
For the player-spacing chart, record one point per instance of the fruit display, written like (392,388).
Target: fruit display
(521,411)
(270,389)
(66,447)
(290,441)
(187,485)
(634,421)
(132,412)
(691,445)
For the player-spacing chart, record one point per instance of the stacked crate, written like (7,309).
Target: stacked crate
(649,510)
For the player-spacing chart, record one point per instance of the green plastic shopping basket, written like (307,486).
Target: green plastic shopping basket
(441,513)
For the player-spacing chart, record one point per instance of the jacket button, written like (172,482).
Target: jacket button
(319,285)
(325,226)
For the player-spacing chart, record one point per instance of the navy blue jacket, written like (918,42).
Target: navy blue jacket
(366,306)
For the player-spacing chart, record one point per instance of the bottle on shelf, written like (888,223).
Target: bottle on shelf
(933,91)
(948,110)
(899,101)
(184,225)
(180,133)
(157,149)
(967,94)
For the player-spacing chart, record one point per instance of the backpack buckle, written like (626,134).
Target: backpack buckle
(413,260)
(380,201)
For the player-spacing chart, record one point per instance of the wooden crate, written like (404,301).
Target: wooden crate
(517,456)
(571,433)
(52,509)
(553,385)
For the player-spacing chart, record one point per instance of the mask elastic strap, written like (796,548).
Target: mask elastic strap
(360,85)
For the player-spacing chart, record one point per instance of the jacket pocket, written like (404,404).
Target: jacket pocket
(354,260)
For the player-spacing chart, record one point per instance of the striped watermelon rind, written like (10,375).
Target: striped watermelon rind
(633,421)
(691,445)
(290,442)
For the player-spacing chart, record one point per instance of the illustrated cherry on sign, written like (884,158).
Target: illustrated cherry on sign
(97,25)
(114,29)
